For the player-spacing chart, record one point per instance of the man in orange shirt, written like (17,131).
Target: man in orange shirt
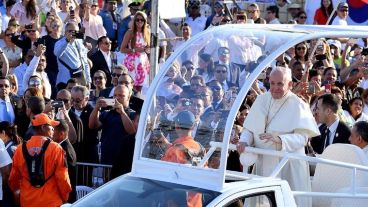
(56,187)
(185,150)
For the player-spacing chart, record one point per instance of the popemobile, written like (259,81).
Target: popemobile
(340,173)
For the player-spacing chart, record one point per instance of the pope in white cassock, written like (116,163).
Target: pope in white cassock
(281,121)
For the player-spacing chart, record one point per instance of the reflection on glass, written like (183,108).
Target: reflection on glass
(205,79)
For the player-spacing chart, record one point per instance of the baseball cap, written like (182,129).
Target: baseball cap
(218,4)
(134,4)
(335,43)
(342,4)
(42,119)
(185,119)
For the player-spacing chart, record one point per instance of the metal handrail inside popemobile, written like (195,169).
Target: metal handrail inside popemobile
(286,157)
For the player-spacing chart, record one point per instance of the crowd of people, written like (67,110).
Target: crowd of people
(77,73)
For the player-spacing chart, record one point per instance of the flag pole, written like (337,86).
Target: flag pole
(154,40)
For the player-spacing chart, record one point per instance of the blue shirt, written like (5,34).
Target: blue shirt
(113,135)
(108,25)
(6,111)
(68,52)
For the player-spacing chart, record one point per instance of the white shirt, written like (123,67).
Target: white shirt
(107,57)
(19,73)
(198,24)
(275,21)
(94,27)
(333,129)
(339,21)
(6,110)
(4,161)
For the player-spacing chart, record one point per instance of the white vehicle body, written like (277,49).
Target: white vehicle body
(274,40)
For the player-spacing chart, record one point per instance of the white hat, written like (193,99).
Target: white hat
(336,43)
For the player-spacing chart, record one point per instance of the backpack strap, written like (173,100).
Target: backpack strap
(193,157)
(30,160)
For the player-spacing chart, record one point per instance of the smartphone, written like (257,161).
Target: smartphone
(57,104)
(39,41)
(79,35)
(328,87)
(228,95)
(321,57)
(311,88)
(109,101)
(71,11)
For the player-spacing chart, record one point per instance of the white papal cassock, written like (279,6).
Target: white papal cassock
(291,119)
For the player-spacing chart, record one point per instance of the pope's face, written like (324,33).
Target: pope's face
(279,86)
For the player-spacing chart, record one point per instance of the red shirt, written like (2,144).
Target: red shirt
(320,18)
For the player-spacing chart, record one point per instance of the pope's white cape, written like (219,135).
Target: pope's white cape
(291,119)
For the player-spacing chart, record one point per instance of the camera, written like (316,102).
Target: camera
(57,104)
(186,102)
(365,51)
(39,41)
(28,26)
(78,35)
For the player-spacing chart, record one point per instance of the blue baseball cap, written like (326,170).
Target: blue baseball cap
(185,119)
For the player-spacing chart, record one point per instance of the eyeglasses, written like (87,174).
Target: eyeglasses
(139,20)
(302,17)
(221,71)
(115,75)
(34,83)
(4,86)
(31,30)
(301,48)
(98,78)
(63,100)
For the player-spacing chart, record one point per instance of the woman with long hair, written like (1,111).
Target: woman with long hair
(301,54)
(324,12)
(26,12)
(12,52)
(93,24)
(99,82)
(136,46)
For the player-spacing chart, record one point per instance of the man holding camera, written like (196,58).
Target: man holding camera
(116,124)
(72,58)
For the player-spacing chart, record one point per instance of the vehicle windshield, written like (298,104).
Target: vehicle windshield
(205,78)
(131,191)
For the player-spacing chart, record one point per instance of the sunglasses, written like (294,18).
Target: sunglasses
(9,35)
(216,88)
(115,75)
(241,17)
(34,82)
(124,83)
(139,20)
(303,17)
(31,30)
(301,48)
(221,71)
(63,100)
(98,78)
